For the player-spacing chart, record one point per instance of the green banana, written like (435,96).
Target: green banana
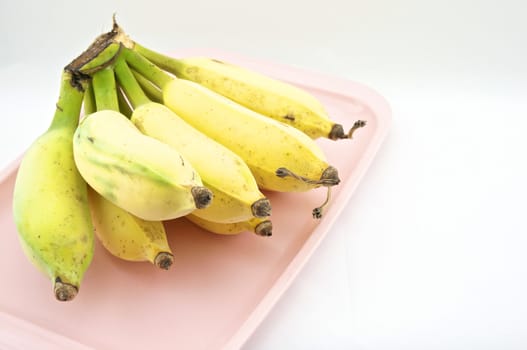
(50,204)
(144,176)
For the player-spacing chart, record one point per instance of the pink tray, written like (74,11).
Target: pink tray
(220,287)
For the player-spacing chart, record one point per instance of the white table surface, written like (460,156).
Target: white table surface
(430,251)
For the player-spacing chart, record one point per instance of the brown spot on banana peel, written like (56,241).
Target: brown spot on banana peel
(164,260)
(202,196)
(64,291)
(264,228)
(261,208)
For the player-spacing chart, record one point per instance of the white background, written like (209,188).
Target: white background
(430,251)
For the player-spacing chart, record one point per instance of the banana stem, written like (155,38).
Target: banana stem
(64,291)
(89,100)
(130,86)
(167,63)
(69,103)
(264,228)
(318,211)
(146,68)
(329,178)
(357,125)
(151,91)
(105,90)
(164,260)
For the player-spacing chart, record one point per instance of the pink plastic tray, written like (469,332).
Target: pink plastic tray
(220,287)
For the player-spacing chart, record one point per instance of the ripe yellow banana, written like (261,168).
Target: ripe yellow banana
(142,175)
(128,237)
(50,203)
(259,226)
(270,97)
(280,157)
(125,235)
(235,191)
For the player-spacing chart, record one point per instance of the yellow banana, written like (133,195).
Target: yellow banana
(125,235)
(235,191)
(280,157)
(128,237)
(50,204)
(259,226)
(144,176)
(270,97)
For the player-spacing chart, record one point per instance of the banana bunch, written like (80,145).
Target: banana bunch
(162,139)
